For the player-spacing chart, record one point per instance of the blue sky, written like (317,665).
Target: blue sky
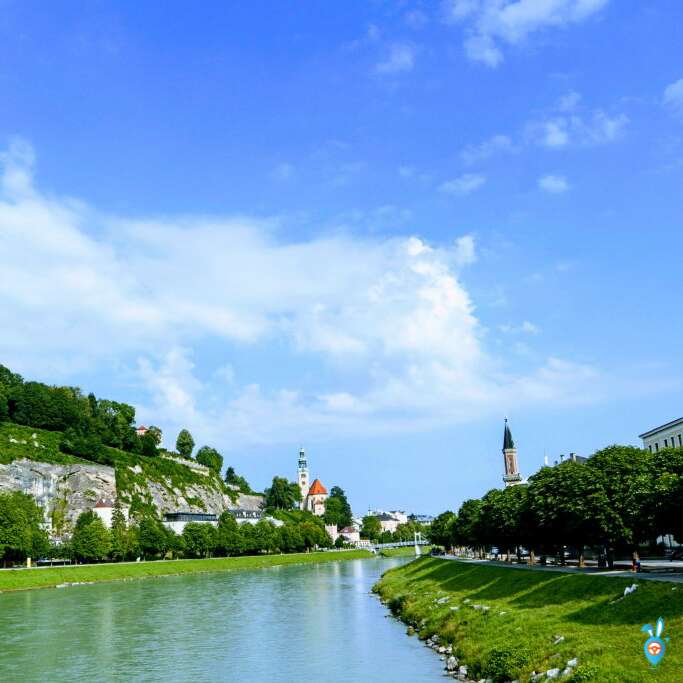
(369,228)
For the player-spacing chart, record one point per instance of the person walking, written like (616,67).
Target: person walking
(635,564)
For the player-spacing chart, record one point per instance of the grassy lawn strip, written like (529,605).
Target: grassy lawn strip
(23,579)
(405,551)
(526,612)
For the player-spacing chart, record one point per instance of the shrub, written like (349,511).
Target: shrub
(585,672)
(505,664)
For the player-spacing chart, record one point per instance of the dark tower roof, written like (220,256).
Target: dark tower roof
(507,437)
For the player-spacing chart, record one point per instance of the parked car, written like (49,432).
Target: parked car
(677,554)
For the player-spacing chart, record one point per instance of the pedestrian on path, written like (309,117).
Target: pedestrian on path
(635,564)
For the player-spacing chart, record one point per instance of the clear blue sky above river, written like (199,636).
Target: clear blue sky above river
(369,228)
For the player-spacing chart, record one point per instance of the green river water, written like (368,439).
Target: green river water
(294,623)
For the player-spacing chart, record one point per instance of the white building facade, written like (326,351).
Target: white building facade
(669,435)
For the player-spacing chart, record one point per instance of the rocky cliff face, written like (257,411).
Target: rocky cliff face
(62,490)
(65,491)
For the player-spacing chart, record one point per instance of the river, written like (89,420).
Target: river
(294,623)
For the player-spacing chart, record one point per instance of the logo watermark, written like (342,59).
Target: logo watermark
(655,646)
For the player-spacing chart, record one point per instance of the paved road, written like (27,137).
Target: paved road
(663,569)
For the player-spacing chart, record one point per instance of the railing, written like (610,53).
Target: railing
(398,544)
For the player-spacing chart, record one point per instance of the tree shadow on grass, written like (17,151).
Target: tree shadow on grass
(582,599)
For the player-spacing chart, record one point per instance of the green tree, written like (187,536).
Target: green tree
(337,509)
(313,535)
(291,539)
(185,444)
(466,525)
(228,538)
(156,434)
(232,478)
(282,494)
(152,537)
(91,540)
(628,477)
(149,445)
(570,507)
(441,529)
(371,528)
(21,532)
(4,405)
(266,537)
(199,539)
(210,457)
(120,541)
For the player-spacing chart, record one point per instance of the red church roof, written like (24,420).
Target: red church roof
(317,488)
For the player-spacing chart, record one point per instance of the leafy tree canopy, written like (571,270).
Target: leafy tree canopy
(185,443)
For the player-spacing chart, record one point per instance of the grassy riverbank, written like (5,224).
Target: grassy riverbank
(528,610)
(24,579)
(405,551)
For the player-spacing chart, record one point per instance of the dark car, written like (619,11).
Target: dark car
(677,554)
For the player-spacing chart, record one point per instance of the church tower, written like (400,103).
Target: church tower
(302,476)
(512,475)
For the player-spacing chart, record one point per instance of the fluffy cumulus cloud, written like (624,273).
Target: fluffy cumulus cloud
(591,128)
(673,97)
(385,330)
(490,24)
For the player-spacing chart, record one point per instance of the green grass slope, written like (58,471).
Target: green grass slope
(24,579)
(17,442)
(528,610)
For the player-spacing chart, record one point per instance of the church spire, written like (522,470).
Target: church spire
(512,475)
(507,437)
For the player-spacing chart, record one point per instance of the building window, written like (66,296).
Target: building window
(666,443)
(650,447)
(680,441)
(656,445)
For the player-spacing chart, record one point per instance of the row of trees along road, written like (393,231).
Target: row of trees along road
(620,498)
(21,536)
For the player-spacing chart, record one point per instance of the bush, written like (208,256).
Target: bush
(585,672)
(505,664)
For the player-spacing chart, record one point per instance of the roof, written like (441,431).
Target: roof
(507,437)
(317,489)
(348,530)
(673,423)
(384,517)
(104,503)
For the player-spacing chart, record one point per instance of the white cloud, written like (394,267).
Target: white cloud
(525,327)
(400,58)
(81,289)
(465,251)
(473,154)
(673,97)
(463,185)
(596,128)
(490,23)
(554,184)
